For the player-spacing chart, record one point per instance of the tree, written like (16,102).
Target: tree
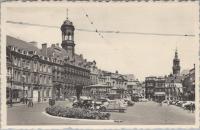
(79,89)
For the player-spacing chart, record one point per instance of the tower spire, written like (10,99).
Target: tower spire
(176,63)
(67,13)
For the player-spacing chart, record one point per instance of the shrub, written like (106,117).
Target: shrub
(76,113)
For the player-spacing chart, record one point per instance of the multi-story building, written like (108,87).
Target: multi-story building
(173,85)
(168,87)
(29,72)
(159,90)
(150,83)
(189,85)
(50,72)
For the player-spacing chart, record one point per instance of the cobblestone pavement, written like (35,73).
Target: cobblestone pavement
(149,113)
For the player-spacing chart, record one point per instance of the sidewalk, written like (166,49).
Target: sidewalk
(61,103)
(23,104)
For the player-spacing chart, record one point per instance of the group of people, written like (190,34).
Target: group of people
(29,102)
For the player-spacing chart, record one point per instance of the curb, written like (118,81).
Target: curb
(112,121)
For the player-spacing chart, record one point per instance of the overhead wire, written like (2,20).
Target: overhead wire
(105,31)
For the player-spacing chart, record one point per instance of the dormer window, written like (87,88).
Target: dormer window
(25,52)
(19,50)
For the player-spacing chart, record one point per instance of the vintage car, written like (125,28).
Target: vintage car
(187,103)
(143,100)
(129,102)
(113,105)
(86,103)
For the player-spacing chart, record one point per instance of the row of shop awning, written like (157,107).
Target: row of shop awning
(99,85)
(18,87)
(105,86)
(159,93)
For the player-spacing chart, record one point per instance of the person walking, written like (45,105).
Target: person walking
(26,99)
(30,102)
(193,107)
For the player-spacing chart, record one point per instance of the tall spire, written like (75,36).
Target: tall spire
(176,63)
(67,12)
(176,53)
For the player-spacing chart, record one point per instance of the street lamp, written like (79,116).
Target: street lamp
(23,78)
(11,78)
(10,92)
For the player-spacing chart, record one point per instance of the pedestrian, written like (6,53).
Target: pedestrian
(160,103)
(193,107)
(30,102)
(26,99)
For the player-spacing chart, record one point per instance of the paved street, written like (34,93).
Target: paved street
(149,113)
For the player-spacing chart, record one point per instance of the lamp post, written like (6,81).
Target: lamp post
(10,92)
(11,78)
(23,78)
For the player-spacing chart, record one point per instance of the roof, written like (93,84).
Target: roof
(173,78)
(55,51)
(99,85)
(132,83)
(67,22)
(20,44)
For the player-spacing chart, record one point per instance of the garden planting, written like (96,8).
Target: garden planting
(78,113)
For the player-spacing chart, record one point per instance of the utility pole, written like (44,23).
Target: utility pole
(11,78)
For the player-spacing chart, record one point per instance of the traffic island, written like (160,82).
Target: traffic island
(77,113)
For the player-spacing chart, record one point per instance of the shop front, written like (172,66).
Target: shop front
(159,96)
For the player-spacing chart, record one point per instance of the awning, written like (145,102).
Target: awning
(159,93)
(18,87)
(99,85)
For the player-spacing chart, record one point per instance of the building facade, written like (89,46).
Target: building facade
(150,83)
(189,85)
(159,90)
(167,87)
(51,72)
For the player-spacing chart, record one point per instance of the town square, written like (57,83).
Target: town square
(100,65)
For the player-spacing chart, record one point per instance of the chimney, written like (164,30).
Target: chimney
(57,44)
(44,49)
(34,43)
(53,45)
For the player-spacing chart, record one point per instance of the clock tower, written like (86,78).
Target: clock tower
(176,64)
(67,29)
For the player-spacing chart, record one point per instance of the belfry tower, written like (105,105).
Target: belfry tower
(176,64)
(67,29)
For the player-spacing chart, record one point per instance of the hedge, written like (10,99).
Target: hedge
(78,113)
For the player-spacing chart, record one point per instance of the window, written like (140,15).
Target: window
(28,65)
(15,61)
(23,63)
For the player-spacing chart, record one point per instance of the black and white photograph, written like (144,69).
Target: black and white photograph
(99,64)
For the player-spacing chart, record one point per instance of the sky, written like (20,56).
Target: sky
(141,55)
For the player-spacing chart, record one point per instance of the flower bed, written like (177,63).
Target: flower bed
(76,113)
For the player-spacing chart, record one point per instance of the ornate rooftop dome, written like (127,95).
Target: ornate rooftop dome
(67,22)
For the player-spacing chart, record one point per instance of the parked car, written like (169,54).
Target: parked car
(190,107)
(83,103)
(113,105)
(143,100)
(73,98)
(129,102)
(179,103)
(102,100)
(187,103)
(173,102)
(165,101)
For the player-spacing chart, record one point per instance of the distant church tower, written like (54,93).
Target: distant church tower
(176,64)
(67,29)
